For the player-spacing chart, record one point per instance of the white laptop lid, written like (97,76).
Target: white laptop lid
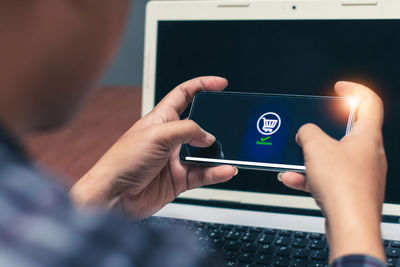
(300,47)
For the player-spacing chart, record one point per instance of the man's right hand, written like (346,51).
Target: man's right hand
(347,177)
(142,172)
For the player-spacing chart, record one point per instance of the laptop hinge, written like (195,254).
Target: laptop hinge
(359,2)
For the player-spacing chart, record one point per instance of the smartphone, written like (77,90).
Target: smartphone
(257,131)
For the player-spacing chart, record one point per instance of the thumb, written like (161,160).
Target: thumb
(310,134)
(174,133)
(294,180)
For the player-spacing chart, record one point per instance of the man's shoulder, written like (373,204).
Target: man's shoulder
(41,227)
(40,224)
(28,189)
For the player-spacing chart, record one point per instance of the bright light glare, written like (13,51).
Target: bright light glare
(353,101)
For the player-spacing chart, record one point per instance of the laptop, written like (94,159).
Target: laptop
(284,47)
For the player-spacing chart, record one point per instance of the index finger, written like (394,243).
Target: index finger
(369,115)
(179,98)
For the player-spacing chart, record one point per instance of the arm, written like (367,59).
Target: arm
(347,177)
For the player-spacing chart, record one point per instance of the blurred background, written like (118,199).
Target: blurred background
(114,106)
(127,66)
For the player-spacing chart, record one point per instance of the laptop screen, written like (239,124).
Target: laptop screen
(288,57)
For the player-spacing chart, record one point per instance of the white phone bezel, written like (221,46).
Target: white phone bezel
(267,166)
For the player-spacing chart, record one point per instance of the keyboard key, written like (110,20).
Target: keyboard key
(249,237)
(283,241)
(247,257)
(315,236)
(318,264)
(269,231)
(212,226)
(250,247)
(233,245)
(231,255)
(392,252)
(300,234)
(391,261)
(231,264)
(267,249)
(216,234)
(256,230)
(320,255)
(217,243)
(283,251)
(395,244)
(266,239)
(200,231)
(232,235)
(264,259)
(300,263)
(317,244)
(241,228)
(302,253)
(227,227)
(281,262)
(249,265)
(285,232)
(300,243)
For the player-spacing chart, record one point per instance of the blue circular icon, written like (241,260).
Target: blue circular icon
(268,123)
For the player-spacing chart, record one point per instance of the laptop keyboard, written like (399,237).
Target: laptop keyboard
(244,246)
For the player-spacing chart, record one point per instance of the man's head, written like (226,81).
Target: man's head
(51,54)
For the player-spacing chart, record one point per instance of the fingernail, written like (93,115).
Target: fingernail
(280,176)
(236,171)
(210,138)
(295,138)
(341,82)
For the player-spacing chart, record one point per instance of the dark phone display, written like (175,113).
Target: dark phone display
(288,57)
(255,128)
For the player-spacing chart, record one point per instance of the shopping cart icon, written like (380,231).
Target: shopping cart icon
(268,123)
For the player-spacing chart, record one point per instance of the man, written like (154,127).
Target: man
(52,53)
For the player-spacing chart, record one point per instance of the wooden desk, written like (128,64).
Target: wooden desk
(73,149)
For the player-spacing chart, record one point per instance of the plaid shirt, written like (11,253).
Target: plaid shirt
(358,261)
(40,227)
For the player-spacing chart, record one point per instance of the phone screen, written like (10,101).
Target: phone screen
(257,131)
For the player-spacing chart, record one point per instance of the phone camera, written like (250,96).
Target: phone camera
(294,7)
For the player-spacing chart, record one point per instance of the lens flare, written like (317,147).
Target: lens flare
(353,101)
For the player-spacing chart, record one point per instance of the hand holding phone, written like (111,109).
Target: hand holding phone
(347,178)
(257,131)
(144,162)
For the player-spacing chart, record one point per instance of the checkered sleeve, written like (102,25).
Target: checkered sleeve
(358,261)
(40,227)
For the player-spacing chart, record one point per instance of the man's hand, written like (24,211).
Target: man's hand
(347,177)
(141,172)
